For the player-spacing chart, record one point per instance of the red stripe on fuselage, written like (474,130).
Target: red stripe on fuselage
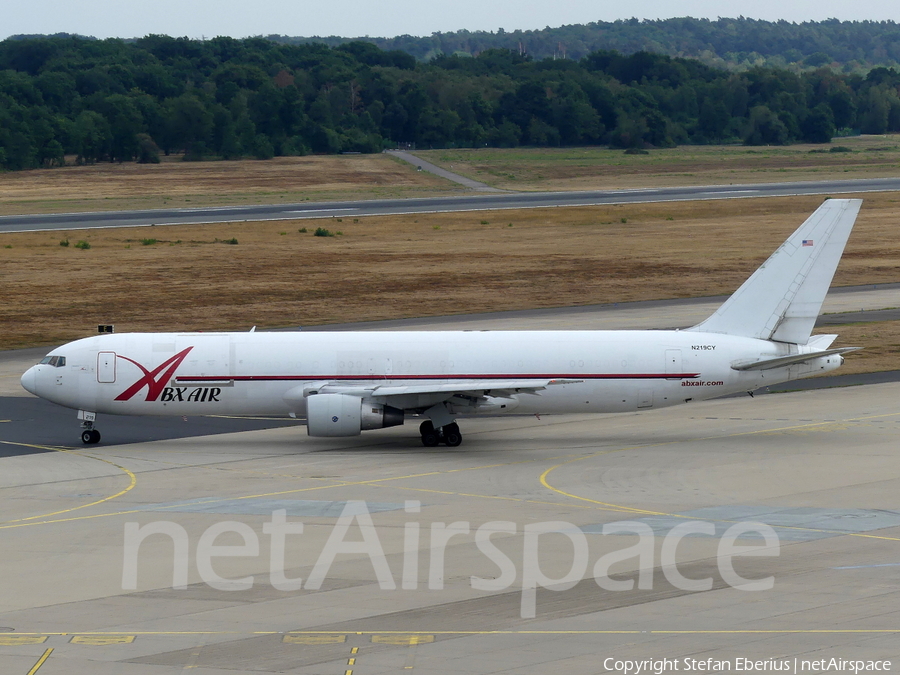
(448,376)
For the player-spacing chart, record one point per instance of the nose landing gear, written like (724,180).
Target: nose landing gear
(448,434)
(90,435)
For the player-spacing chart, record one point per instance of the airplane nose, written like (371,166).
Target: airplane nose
(29,380)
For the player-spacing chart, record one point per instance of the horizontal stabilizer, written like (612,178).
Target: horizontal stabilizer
(769,364)
(821,341)
(782,299)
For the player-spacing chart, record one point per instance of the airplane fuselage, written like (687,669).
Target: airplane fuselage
(274,373)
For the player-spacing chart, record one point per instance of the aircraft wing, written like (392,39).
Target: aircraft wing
(450,388)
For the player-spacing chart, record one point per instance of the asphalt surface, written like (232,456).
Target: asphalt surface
(33,423)
(471,202)
(424,165)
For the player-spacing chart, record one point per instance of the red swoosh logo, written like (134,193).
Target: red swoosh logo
(152,379)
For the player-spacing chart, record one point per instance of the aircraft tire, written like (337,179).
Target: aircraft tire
(426,427)
(452,435)
(90,436)
(431,439)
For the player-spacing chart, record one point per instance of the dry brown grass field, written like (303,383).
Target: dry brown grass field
(173,183)
(187,277)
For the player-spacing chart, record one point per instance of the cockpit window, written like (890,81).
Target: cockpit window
(55,361)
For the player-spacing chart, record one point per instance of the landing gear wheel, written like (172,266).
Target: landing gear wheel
(426,427)
(90,436)
(452,435)
(430,439)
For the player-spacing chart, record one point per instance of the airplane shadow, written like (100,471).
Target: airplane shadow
(29,421)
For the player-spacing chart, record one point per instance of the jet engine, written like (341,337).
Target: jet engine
(346,415)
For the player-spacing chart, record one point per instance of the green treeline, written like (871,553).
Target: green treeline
(112,100)
(735,43)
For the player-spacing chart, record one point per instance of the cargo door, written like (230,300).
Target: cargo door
(209,357)
(380,367)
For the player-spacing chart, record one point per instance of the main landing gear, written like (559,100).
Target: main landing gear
(448,434)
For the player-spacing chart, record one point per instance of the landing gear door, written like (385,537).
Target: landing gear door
(106,367)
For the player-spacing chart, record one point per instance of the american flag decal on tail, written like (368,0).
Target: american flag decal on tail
(807,242)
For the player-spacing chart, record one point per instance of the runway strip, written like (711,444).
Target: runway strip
(471,202)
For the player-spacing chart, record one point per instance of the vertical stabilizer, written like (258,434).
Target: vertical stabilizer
(782,299)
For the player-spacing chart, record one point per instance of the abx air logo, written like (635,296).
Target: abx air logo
(155,380)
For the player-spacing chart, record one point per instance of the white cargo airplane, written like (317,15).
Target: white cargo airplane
(345,383)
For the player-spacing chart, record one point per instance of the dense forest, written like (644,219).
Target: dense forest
(116,100)
(735,44)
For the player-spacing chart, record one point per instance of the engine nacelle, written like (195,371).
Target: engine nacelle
(345,415)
